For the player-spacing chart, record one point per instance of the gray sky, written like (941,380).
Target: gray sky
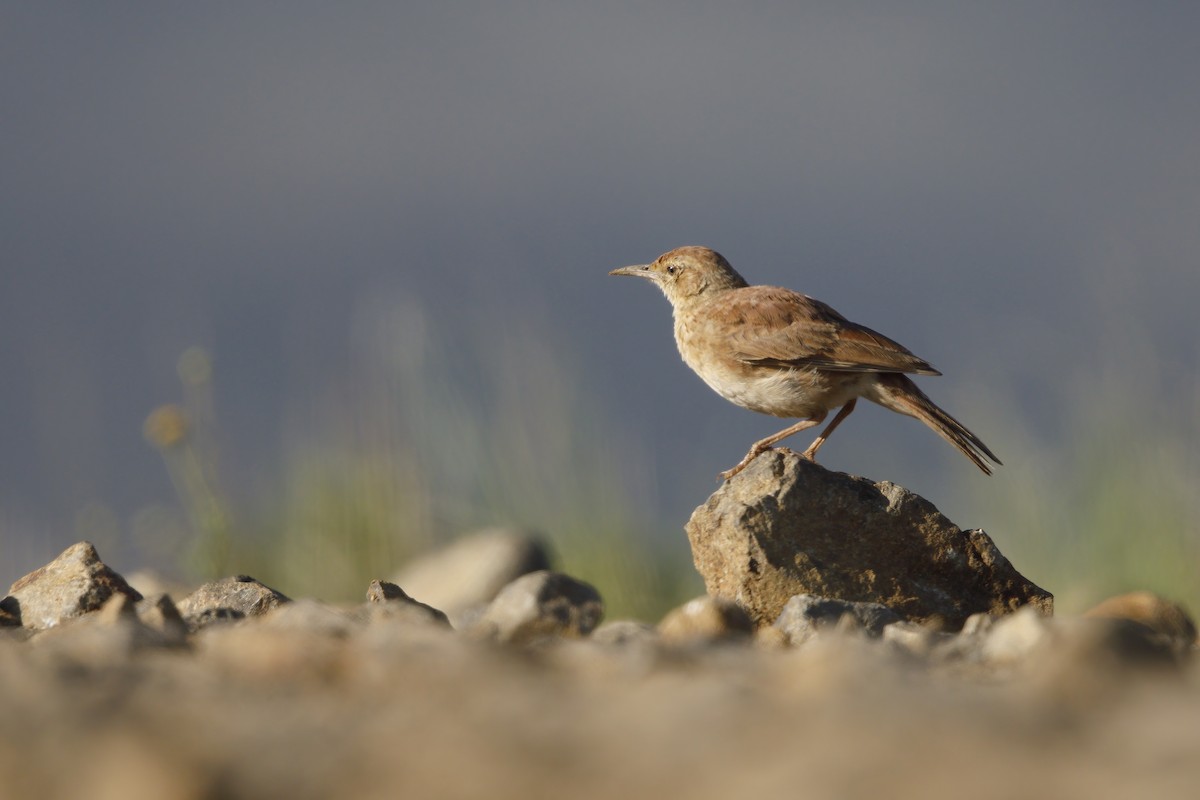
(1011,190)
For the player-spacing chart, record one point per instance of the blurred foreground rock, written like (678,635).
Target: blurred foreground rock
(1158,614)
(307,699)
(785,526)
(706,620)
(805,615)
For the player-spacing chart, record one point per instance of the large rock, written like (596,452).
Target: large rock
(786,526)
(75,583)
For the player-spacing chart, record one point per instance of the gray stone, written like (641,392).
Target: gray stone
(542,604)
(706,619)
(75,583)
(804,615)
(468,574)
(228,599)
(786,526)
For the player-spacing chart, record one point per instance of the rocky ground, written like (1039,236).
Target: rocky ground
(512,685)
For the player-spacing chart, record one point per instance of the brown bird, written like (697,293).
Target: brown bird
(783,353)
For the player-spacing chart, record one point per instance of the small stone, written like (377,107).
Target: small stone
(771,638)
(110,635)
(382,591)
(1156,613)
(1116,643)
(916,639)
(387,601)
(74,584)
(1016,637)
(804,615)
(468,574)
(542,604)
(228,599)
(1091,660)
(706,619)
(978,624)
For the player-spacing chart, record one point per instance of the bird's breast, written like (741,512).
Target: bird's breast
(775,390)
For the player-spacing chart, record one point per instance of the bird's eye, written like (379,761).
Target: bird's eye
(671,269)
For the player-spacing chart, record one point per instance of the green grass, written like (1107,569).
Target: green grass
(429,440)
(1111,505)
(430,437)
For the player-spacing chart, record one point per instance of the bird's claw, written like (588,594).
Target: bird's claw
(745,462)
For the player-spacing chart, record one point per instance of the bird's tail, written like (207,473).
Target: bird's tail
(897,392)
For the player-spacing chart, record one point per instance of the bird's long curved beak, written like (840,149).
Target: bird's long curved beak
(637,270)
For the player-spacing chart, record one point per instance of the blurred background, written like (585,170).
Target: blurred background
(302,289)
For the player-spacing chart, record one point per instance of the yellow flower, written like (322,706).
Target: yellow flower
(167,426)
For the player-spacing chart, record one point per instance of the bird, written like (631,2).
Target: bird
(783,353)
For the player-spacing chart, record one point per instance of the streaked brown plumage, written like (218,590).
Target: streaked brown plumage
(783,353)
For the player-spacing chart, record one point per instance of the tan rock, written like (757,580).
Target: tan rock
(1156,613)
(786,526)
(706,619)
(75,583)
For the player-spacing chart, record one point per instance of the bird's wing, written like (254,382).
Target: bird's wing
(786,328)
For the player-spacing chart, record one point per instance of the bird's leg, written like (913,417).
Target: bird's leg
(811,452)
(760,447)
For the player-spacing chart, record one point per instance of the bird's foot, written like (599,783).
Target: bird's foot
(754,453)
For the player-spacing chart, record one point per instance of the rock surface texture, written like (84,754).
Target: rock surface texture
(786,526)
(227,599)
(69,586)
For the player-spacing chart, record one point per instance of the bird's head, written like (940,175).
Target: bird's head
(686,273)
